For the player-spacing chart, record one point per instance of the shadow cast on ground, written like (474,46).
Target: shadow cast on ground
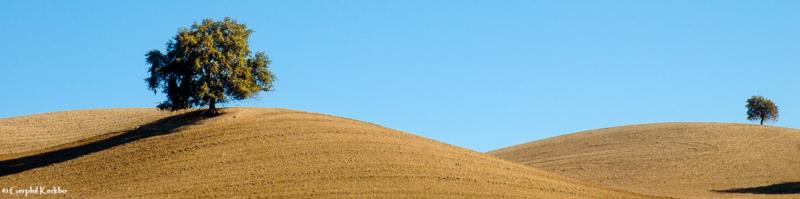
(779,188)
(158,127)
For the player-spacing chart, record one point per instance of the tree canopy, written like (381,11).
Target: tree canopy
(760,108)
(206,64)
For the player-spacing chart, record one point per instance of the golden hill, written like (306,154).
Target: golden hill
(27,135)
(687,160)
(257,153)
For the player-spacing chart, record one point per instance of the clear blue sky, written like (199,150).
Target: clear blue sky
(476,74)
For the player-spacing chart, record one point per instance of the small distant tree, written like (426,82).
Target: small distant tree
(207,64)
(760,108)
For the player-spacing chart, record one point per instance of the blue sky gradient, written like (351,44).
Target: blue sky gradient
(477,74)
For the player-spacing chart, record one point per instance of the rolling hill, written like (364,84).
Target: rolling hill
(36,133)
(249,152)
(686,160)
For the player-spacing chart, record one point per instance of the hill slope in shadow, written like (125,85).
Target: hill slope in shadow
(36,133)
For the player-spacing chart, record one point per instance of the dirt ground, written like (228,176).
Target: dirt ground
(42,131)
(686,160)
(248,152)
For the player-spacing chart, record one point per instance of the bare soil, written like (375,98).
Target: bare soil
(686,160)
(248,152)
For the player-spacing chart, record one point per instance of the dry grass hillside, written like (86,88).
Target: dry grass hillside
(35,133)
(687,160)
(258,153)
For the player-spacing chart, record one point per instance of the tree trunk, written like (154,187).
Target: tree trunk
(762,120)
(212,108)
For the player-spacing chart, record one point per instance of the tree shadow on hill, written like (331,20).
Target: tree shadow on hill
(779,188)
(158,127)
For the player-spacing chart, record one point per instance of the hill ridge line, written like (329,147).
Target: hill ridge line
(19,162)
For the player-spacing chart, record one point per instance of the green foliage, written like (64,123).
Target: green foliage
(760,108)
(206,64)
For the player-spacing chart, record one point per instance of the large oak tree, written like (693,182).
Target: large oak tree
(207,64)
